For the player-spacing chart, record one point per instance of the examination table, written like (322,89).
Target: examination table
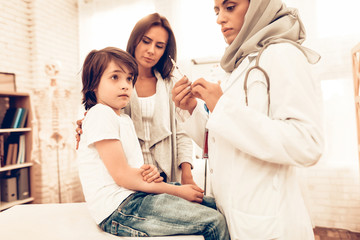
(66,221)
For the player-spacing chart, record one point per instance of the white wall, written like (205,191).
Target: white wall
(196,33)
(15,41)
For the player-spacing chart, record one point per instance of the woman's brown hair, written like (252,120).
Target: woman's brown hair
(95,65)
(164,66)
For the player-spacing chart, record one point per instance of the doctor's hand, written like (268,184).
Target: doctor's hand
(181,95)
(207,91)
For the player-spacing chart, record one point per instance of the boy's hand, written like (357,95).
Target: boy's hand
(191,193)
(150,173)
(79,131)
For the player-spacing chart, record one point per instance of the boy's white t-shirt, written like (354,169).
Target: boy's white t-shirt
(102,194)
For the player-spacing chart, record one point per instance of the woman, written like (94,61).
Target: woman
(264,120)
(164,144)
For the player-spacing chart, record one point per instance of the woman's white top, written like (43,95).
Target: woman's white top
(147,107)
(101,192)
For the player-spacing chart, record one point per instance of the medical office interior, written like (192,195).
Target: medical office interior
(43,43)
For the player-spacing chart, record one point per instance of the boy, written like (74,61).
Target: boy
(110,163)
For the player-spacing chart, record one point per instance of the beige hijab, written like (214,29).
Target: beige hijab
(266,22)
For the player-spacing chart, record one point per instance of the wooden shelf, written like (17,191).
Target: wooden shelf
(10,130)
(15,94)
(18,100)
(5,205)
(15,166)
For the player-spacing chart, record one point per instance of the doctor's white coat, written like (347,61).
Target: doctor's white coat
(252,155)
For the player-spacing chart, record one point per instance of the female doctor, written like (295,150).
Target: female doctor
(263,121)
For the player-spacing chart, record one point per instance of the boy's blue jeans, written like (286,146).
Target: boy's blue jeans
(149,215)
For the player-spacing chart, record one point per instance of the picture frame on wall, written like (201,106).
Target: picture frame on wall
(7,82)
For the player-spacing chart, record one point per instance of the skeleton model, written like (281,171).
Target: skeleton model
(51,135)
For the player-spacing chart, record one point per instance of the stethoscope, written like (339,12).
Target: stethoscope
(256,66)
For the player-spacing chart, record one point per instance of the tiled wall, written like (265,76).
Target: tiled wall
(333,189)
(35,33)
(334,198)
(15,23)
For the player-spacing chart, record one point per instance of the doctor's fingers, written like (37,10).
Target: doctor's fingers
(202,82)
(209,86)
(203,89)
(181,84)
(199,91)
(183,80)
(180,90)
(210,96)
(182,97)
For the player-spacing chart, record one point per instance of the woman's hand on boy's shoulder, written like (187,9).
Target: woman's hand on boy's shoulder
(79,131)
(150,173)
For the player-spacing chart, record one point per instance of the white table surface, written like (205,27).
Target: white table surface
(67,221)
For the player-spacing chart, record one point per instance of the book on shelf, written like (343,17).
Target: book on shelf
(8,118)
(24,118)
(15,118)
(14,147)
(12,153)
(23,187)
(4,105)
(2,151)
(9,153)
(8,189)
(21,151)
(15,185)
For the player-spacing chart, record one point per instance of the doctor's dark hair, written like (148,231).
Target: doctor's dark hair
(94,67)
(164,66)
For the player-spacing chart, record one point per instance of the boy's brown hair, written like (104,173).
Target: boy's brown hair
(94,67)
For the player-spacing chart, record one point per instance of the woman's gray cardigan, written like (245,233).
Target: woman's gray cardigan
(170,145)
